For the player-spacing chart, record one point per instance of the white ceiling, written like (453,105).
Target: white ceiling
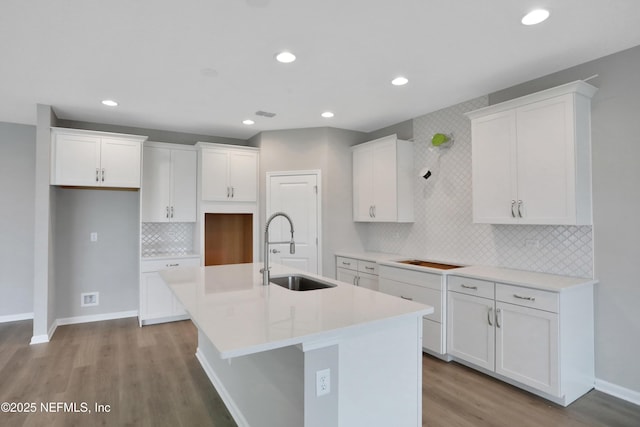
(202,66)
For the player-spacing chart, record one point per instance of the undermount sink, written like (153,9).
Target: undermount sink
(300,283)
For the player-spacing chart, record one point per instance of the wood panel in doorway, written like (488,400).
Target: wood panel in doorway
(228,238)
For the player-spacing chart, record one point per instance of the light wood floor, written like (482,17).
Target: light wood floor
(150,377)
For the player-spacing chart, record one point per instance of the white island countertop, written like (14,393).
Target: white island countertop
(240,316)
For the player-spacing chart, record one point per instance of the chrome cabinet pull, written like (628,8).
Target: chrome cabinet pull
(233,190)
(97,174)
(346,263)
(103,175)
(374,211)
(228,192)
(513,205)
(498,311)
(532,299)
(354,280)
(369,268)
(167,214)
(275,251)
(357,280)
(171,211)
(475,288)
(407,298)
(490,315)
(370,211)
(173,265)
(519,210)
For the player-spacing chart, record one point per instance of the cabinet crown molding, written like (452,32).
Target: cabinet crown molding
(71,131)
(577,87)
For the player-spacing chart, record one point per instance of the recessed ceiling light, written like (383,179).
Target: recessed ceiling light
(248,122)
(399,81)
(327,114)
(535,17)
(285,57)
(109,103)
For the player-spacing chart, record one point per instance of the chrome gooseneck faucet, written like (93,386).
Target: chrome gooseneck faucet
(292,245)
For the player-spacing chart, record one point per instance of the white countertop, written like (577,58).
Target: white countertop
(392,261)
(240,316)
(530,279)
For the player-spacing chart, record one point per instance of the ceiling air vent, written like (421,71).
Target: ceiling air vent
(265,114)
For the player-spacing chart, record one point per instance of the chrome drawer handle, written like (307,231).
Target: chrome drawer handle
(513,205)
(369,268)
(524,298)
(489,313)
(173,265)
(346,263)
(475,288)
(407,298)
(520,208)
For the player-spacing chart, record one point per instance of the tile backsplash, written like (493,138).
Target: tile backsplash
(443,228)
(167,238)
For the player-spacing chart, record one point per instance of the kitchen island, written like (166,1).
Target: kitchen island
(341,356)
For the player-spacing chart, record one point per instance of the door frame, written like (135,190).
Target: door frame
(318,174)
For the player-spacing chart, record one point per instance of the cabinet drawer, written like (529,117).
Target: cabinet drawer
(163,264)
(349,263)
(418,278)
(527,297)
(415,293)
(367,267)
(464,285)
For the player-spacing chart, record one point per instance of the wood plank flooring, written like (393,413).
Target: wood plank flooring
(150,377)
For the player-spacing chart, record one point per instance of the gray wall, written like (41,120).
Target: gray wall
(404,130)
(17,175)
(108,266)
(326,149)
(615,123)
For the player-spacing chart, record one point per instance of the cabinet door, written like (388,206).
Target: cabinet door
(347,276)
(215,173)
(363,175)
(157,299)
(546,162)
(243,176)
(120,163)
(76,160)
(369,281)
(385,196)
(470,330)
(494,168)
(527,346)
(183,185)
(155,198)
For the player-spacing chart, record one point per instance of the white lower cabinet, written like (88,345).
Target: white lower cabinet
(157,302)
(358,272)
(515,334)
(424,287)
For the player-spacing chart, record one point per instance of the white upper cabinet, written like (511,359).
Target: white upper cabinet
(382,181)
(229,174)
(95,159)
(169,182)
(531,158)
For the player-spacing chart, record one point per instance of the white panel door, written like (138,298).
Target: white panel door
(385,206)
(346,275)
(184,180)
(363,184)
(215,175)
(494,168)
(546,161)
(120,163)
(243,176)
(527,346)
(77,160)
(295,195)
(155,184)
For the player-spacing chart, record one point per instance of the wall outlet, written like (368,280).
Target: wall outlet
(323,382)
(89,299)
(94,237)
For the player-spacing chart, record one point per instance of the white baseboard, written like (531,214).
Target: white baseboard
(16,317)
(618,391)
(39,339)
(222,391)
(96,317)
